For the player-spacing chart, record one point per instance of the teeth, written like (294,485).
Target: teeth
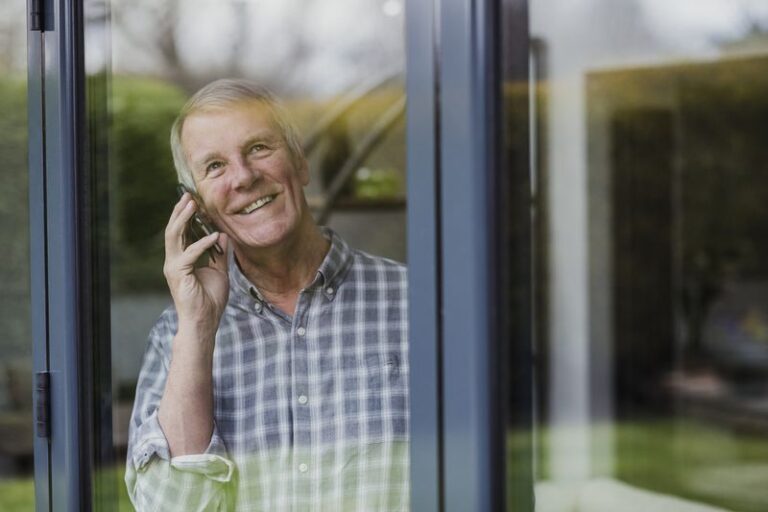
(258,204)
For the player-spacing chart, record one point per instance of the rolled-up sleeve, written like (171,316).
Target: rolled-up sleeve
(155,480)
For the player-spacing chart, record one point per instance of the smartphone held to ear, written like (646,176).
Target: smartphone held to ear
(198,227)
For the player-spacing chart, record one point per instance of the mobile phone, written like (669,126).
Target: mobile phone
(198,227)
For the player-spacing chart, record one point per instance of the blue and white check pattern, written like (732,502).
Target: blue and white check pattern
(311,412)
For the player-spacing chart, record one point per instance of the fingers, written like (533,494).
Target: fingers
(191,254)
(180,205)
(180,260)
(177,225)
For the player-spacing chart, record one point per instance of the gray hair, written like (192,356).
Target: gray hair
(225,93)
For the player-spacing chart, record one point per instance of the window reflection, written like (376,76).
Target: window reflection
(650,281)
(337,66)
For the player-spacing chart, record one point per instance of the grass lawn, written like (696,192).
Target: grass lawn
(679,457)
(17,495)
(696,461)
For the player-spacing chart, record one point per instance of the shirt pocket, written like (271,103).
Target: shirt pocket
(381,370)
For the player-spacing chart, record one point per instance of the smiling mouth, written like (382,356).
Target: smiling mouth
(263,201)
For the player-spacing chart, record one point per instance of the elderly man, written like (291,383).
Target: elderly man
(278,378)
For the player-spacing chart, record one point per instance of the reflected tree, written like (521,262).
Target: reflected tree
(290,46)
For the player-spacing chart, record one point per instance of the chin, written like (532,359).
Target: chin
(264,237)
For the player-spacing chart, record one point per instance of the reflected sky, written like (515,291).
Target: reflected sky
(302,46)
(334,33)
(599,34)
(699,24)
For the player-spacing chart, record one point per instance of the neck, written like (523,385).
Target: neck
(281,272)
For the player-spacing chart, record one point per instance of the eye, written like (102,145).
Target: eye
(213,166)
(258,147)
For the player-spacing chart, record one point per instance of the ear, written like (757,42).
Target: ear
(201,209)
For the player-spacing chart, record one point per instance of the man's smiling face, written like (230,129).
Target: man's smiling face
(250,182)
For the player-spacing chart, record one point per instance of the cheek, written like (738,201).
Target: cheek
(216,190)
(288,172)
(213,199)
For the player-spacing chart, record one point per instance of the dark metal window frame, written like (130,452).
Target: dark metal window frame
(66,258)
(469,255)
(37,249)
(423,258)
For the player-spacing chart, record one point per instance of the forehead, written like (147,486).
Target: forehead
(244,115)
(207,128)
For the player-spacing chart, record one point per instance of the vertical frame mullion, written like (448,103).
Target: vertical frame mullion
(37,250)
(473,449)
(423,258)
(63,75)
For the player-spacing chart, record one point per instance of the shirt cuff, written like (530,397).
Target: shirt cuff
(151,441)
(214,467)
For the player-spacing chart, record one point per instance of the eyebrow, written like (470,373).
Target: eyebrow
(259,137)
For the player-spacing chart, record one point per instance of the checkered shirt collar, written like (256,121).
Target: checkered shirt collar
(329,275)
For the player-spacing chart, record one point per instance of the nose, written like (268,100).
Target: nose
(243,173)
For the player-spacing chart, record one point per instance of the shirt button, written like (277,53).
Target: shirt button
(257,307)
(303,468)
(301,331)
(329,290)
(303,399)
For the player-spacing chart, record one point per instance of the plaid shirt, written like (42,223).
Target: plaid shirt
(310,411)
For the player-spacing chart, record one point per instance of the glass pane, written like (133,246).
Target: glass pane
(16,434)
(651,289)
(338,68)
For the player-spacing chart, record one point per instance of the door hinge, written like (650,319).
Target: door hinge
(36,15)
(43,404)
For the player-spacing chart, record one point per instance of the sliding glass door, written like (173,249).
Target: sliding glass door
(120,72)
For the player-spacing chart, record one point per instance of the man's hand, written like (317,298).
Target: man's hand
(199,295)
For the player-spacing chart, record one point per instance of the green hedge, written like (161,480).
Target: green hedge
(14,222)
(142,179)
